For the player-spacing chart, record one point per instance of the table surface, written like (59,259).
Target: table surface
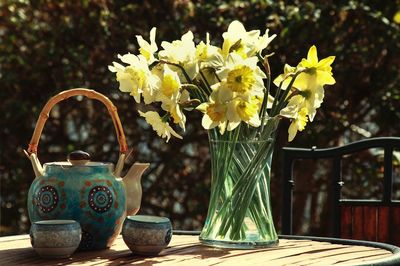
(187,250)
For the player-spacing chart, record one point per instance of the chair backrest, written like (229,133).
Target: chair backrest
(375,220)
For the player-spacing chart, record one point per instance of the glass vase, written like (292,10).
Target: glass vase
(239,213)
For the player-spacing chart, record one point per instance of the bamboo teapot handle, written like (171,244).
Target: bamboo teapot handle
(44,115)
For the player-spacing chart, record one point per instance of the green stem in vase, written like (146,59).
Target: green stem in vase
(240,207)
(222,149)
(242,193)
(257,208)
(260,202)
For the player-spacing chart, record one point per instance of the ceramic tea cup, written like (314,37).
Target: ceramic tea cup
(146,235)
(55,238)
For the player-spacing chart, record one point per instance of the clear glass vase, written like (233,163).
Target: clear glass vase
(239,213)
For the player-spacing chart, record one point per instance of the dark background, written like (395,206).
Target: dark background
(50,46)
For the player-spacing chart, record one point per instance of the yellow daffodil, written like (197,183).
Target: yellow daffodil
(297,111)
(313,99)
(294,105)
(310,83)
(162,128)
(241,110)
(215,111)
(318,73)
(312,95)
(214,115)
(321,70)
(235,39)
(135,78)
(228,108)
(225,83)
(170,83)
(173,106)
(285,78)
(171,96)
(182,52)
(242,42)
(148,49)
(298,124)
(243,75)
(208,55)
(241,79)
(176,110)
(221,93)
(263,42)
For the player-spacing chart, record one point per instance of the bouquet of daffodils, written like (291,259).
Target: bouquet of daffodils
(230,85)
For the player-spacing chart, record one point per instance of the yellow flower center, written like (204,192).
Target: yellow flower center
(169,85)
(215,112)
(241,79)
(238,48)
(246,110)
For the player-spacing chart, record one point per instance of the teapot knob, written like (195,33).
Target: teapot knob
(78,157)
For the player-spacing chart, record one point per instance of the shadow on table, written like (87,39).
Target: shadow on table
(176,254)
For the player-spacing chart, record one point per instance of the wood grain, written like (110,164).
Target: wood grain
(370,224)
(383,224)
(358,222)
(346,218)
(186,250)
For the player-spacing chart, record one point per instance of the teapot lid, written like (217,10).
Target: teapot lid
(80,159)
(88,164)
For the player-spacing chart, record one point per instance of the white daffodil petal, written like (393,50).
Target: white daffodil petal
(207,123)
(255,121)
(232,125)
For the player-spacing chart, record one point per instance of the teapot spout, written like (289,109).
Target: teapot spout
(36,165)
(133,187)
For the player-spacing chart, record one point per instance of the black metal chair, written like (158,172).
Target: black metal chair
(377,220)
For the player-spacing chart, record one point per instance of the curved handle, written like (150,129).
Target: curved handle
(44,115)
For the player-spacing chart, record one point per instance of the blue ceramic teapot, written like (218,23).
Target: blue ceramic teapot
(91,193)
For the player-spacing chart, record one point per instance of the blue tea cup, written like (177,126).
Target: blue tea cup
(146,235)
(55,238)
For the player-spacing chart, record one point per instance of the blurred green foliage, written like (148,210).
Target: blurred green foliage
(48,46)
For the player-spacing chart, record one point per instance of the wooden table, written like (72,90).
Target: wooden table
(186,250)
